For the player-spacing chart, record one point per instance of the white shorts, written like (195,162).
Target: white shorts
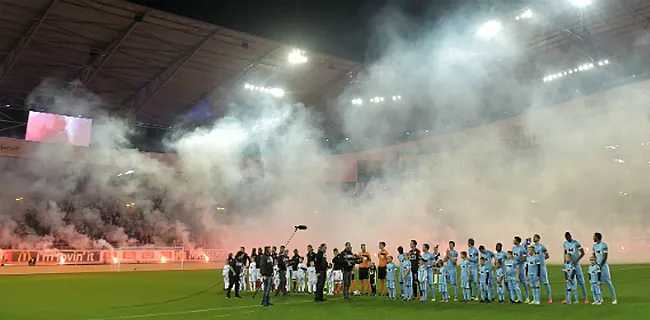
(337,275)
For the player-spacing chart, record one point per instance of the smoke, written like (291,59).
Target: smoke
(249,177)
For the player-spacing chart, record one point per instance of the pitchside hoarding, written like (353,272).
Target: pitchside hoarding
(87,257)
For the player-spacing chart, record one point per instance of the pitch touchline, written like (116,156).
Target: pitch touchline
(149,315)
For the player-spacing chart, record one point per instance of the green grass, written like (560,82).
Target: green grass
(113,296)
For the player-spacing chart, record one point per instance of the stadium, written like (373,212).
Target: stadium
(139,148)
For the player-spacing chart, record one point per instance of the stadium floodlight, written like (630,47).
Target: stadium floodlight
(297,56)
(525,14)
(276,92)
(489,29)
(357,101)
(580,3)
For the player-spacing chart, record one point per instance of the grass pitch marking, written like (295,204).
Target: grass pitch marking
(160,314)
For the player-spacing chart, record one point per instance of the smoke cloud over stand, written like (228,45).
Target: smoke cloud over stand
(266,165)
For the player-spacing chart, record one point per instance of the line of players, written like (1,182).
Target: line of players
(419,272)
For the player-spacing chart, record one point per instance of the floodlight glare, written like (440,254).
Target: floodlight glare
(276,92)
(297,56)
(489,29)
(580,3)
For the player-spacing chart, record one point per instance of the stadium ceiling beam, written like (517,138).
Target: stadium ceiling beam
(238,77)
(93,67)
(643,22)
(10,60)
(335,83)
(135,104)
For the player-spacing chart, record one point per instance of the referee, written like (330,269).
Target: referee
(321,271)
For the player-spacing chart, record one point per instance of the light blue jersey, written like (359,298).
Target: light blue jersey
(600,249)
(465,267)
(594,273)
(501,257)
(484,273)
(500,273)
(390,271)
(405,271)
(422,275)
(451,264)
(511,269)
(595,279)
(428,259)
(573,248)
(400,258)
(519,253)
(540,252)
(533,265)
(488,256)
(473,253)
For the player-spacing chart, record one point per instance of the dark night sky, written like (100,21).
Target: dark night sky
(338,27)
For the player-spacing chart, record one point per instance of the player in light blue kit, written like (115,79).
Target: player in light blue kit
(484,272)
(489,256)
(429,265)
(533,267)
(500,281)
(519,254)
(465,271)
(390,278)
(444,280)
(452,259)
(574,248)
(512,278)
(601,254)
(570,280)
(595,276)
(473,254)
(542,256)
(400,259)
(422,280)
(405,271)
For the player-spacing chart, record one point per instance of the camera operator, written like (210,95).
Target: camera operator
(236,267)
(282,270)
(266,269)
(321,270)
(348,260)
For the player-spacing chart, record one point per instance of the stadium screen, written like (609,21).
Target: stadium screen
(56,128)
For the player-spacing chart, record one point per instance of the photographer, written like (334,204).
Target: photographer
(236,267)
(348,260)
(266,269)
(321,270)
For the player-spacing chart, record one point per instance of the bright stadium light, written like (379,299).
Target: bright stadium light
(525,14)
(297,56)
(580,3)
(489,29)
(276,92)
(357,101)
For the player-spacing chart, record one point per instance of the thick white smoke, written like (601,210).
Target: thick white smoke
(471,186)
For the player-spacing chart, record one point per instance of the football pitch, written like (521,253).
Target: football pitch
(179,295)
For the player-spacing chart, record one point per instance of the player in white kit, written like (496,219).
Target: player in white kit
(311,278)
(253,276)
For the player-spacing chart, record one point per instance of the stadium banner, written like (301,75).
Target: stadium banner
(89,257)
(53,257)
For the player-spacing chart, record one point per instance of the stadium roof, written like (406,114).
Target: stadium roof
(151,63)
(158,65)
